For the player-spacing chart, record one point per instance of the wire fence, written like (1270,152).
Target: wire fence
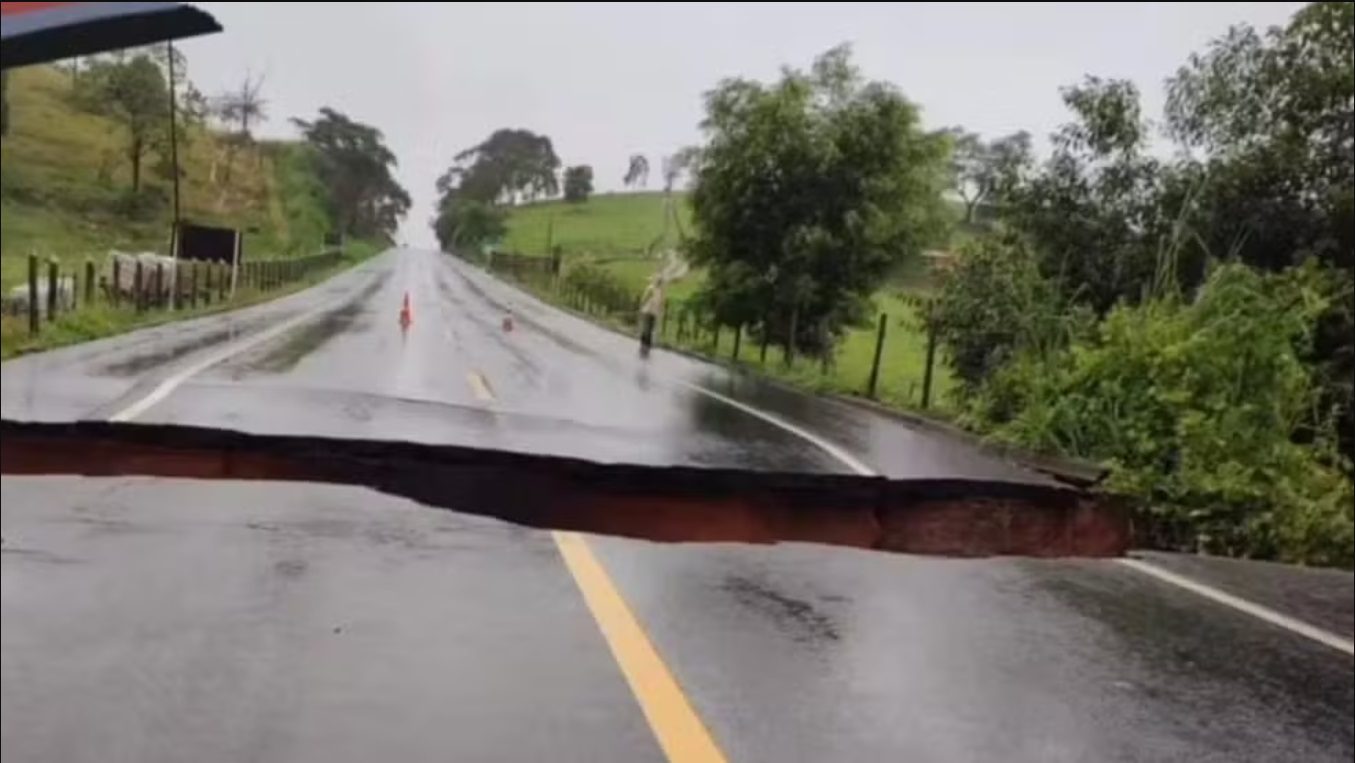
(143,285)
(861,364)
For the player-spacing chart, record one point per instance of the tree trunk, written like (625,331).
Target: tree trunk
(135,155)
(969,207)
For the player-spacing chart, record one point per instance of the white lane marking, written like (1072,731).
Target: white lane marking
(479,385)
(1200,589)
(173,381)
(1267,614)
(835,451)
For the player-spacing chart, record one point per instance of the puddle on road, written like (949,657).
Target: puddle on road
(159,356)
(302,342)
(284,354)
(796,618)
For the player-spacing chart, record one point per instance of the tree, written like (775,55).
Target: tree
(355,166)
(676,163)
(135,94)
(578,183)
(637,172)
(993,304)
(807,192)
(1101,213)
(467,222)
(508,166)
(980,169)
(1273,115)
(243,105)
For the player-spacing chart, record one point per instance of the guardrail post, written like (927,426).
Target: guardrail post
(875,363)
(33,325)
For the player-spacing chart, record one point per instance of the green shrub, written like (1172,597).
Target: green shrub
(1204,411)
(601,288)
(992,303)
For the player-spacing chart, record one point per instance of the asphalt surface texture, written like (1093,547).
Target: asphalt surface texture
(168,620)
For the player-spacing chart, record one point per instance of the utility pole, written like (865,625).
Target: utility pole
(174,163)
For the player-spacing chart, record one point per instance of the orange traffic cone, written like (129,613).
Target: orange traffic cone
(406,313)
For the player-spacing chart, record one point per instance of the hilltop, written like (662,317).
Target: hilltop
(606,224)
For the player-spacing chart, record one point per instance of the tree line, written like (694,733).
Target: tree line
(1186,321)
(511,166)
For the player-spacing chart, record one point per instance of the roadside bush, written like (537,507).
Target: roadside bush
(140,205)
(994,302)
(1197,407)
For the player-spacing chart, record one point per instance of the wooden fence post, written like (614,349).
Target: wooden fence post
(33,325)
(790,340)
(89,282)
(875,363)
(114,294)
(193,285)
(927,371)
(139,293)
(53,275)
(159,284)
(825,348)
(738,338)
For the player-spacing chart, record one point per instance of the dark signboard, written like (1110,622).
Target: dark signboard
(207,243)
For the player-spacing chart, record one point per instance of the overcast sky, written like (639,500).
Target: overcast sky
(605,81)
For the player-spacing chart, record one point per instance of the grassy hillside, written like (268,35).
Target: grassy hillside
(606,224)
(65,184)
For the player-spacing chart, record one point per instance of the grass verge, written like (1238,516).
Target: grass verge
(103,319)
(902,367)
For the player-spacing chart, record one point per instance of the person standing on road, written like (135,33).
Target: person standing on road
(651,307)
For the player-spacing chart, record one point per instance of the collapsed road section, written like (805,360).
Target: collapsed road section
(944,517)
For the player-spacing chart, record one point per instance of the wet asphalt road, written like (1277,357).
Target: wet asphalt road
(149,620)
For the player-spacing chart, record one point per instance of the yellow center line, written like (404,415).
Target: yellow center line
(479,385)
(675,724)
